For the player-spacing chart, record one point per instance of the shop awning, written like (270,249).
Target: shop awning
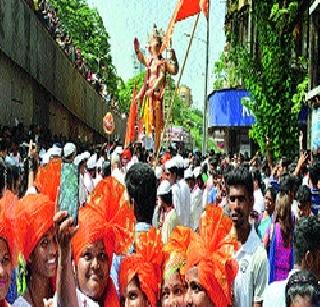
(225,109)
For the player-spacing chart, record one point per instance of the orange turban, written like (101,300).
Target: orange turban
(146,264)
(34,218)
(109,218)
(7,227)
(211,251)
(48,178)
(176,251)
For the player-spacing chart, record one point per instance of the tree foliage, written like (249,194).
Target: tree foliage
(85,26)
(273,77)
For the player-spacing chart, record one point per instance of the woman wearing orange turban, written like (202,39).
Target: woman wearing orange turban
(210,269)
(173,284)
(37,237)
(140,273)
(7,244)
(106,226)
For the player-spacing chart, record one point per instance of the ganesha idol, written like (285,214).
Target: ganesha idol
(152,92)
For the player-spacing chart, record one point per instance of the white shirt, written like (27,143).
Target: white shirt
(185,203)
(21,302)
(275,293)
(252,276)
(176,199)
(83,300)
(196,207)
(116,173)
(170,222)
(83,192)
(97,180)
(258,204)
(88,182)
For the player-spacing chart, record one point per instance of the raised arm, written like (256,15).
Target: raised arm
(138,52)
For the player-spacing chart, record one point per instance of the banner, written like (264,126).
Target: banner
(108,124)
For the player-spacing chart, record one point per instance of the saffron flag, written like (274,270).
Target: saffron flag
(183,10)
(189,8)
(130,133)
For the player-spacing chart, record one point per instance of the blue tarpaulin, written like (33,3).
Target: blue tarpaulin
(225,109)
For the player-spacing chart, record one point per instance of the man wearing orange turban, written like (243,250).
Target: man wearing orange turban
(140,273)
(210,269)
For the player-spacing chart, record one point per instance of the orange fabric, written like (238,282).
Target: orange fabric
(111,298)
(211,251)
(183,10)
(176,250)
(34,218)
(130,132)
(146,264)
(107,217)
(48,179)
(7,223)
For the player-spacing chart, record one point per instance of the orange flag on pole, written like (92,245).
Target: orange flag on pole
(130,133)
(183,10)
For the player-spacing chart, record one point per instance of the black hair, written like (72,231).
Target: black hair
(303,284)
(314,175)
(240,176)
(273,193)
(303,194)
(306,237)
(141,184)
(167,198)
(257,177)
(106,169)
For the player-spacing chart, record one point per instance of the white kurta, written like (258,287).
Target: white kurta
(88,182)
(176,199)
(196,207)
(116,173)
(83,192)
(185,203)
(170,222)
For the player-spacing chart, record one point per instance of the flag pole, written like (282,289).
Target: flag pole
(205,102)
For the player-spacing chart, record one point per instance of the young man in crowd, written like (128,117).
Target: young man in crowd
(303,202)
(306,255)
(252,276)
(315,192)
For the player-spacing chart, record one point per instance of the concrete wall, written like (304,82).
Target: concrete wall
(37,81)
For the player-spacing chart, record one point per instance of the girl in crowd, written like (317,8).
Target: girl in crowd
(106,226)
(210,269)
(36,231)
(280,238)
(140,273)
(302,289)
(268,214)
(7,244)
(173,284)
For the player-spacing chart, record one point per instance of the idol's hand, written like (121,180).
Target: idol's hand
(136,45)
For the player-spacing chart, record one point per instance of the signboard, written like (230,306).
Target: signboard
(315,129)
(226,110)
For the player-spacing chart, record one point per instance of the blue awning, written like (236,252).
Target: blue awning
(226,110)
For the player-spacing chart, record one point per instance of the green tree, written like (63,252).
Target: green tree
(274,76)
(85,26)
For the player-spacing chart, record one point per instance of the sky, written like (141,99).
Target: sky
(127,19)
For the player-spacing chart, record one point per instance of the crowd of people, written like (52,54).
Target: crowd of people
(48,16)
(181,230)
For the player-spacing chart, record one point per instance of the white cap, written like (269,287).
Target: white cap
(45,158)
(164,188)
(10,160)
(78,159)
(179,161)
(158,172)
(86,155)
(197,171)
(118,150)
(170,164)
(54,152)
(188,173)
(92,162)
(100,162)
(69,149)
